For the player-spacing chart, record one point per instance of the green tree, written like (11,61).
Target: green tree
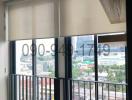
(75,72)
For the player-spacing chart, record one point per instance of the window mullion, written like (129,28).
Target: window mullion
(56,82)
(68,68)
(33,48)
(96,65)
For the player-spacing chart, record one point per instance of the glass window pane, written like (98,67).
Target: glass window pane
(45,59)
(111,68)
(82,65)
(45,64)
(83,57)
(23,57)
(111,62)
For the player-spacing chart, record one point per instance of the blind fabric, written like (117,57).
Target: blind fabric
(54,18)
(33,19)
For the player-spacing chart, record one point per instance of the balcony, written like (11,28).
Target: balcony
(25,87)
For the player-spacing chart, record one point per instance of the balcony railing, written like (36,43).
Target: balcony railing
(23,87)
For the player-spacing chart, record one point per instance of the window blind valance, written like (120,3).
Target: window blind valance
(33,19)
(54,18)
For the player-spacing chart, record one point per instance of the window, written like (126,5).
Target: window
(45,63)
(23,57)
(35,58)
(112,65)
(83,57)
(45,58)
(111,62)
(43,50)
(94,65)
(83,67)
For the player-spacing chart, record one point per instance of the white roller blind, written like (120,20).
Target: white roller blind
(51,18)
(80,17)
(33,19)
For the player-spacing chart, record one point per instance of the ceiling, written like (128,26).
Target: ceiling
(115,10)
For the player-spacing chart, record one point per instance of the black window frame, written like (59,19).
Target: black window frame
(68,66)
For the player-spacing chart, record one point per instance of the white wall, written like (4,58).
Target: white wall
(3,57)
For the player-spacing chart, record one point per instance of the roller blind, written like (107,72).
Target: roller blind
(80,17)
(33,19)
(54,18)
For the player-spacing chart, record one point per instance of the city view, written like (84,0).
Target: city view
(111,66)
(111,63)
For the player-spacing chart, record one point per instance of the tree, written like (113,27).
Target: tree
(89,70)
(75,72)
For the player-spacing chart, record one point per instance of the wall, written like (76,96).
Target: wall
(3,57)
